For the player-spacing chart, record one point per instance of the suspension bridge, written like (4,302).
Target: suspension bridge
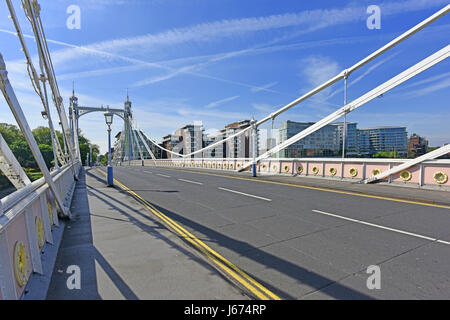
(192,226)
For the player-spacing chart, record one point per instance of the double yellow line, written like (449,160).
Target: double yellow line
(226,266)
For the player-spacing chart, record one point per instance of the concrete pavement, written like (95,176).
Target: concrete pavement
(305,243)
(124,253)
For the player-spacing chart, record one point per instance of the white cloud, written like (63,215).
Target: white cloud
(213,31)
(312,20)
(443,84)
(438,82)
(364,74)
(264,87)
(319,69)
(220,102)
(445,75)
(212,132)
(167,76)
(264,107)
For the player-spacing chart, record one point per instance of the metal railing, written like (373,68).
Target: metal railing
(428,173)
(28,215)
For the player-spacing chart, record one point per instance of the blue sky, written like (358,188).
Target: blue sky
(224,60)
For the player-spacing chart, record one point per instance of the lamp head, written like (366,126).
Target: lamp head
(109,118)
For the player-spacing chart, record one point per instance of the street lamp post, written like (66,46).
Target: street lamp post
(253,124)
(90,155)
(109,120)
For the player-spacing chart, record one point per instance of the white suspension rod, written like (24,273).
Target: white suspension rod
(369,96)
(340,76)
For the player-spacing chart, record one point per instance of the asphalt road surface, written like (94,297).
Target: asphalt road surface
(303,243)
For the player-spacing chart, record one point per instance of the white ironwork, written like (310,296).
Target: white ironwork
(428,156)
(369,96)
(32,12)
(342,75)
(13,103)
(35,81)
(10,167)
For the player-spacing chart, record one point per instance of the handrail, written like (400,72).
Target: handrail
(12,199)
(336,159)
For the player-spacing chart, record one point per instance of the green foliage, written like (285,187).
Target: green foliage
(103,159)
(18,145)
(386,155)
(84,149)
(23,153)
(47,153)
(10,133)
(33,174)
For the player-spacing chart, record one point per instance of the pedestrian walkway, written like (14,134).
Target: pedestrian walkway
(123,253)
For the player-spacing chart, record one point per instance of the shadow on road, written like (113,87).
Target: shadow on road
(77,248)
(295,272)
(115,205)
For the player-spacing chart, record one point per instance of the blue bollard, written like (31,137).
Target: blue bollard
(110,180)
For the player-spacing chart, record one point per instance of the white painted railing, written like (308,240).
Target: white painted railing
(28,215)
(27,219)
(429,173)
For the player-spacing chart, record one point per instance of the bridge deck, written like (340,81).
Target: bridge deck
(301,244)
(297,242)
(125,253)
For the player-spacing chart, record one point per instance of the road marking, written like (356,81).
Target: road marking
(364,195)
(148,171)
(162,175)
(233,271)
(189,181)
(382,227)
(245,194)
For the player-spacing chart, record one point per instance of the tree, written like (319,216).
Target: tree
(386,155)
(84,148)
(42,135)
(18,145)
(47,154)
(104,159)
(23,154)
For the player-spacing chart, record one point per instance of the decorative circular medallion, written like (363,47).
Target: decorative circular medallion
(406,175)
(315,170)
(376,172)
(21,263)
(440,177)
(353,172)
(286,168)
(332,171)
(300,169)
(39,227)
